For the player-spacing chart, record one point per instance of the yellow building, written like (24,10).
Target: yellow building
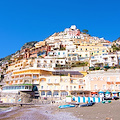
(24,75)
(93,50)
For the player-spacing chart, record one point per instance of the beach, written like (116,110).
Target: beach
(99,111)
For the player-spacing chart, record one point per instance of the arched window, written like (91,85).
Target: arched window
(55,93)
(64,93)
(49,93)
(42,93)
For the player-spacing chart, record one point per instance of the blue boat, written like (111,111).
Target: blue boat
(66,106)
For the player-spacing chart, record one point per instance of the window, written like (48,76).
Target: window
(64,93)
(55,80)
(65,80)
(80,55)
(45,61)
(104,87)
(61,80)
(30,87)
(112,58)
(66,87)
(117,78)
(103,51)
(48,80)
(58,53)
(95,87)
(42,80)
(112,87)
(55,93)
(71,81)
(42,92)
(74,86)
(63,53)
(41,87)
(26,87)
(108,78)
(86,55)
(74,58)
(119,87)
(38,61)
(23,87)
(97,51)
(55,87)
(81,49)
(57,61)
(86,49)
(62,87)
(34,76)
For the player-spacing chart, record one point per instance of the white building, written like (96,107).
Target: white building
(106,59)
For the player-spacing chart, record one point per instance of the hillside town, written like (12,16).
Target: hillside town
(68,63)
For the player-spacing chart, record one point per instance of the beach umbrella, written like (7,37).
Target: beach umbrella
(107,92)
(100,92)
(114,92)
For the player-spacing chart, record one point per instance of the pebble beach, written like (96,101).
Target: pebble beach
(99,111)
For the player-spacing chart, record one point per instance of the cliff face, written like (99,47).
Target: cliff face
(29,45)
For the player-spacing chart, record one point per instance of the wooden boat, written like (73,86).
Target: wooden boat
(110,98)
(66,106)
(88,104)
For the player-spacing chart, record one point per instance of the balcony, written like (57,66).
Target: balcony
(62,89)
(35,82)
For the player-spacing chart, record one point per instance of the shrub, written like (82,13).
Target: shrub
(97,68)
(91,68)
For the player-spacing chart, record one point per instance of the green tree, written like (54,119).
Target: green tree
(85,31)
(115,48)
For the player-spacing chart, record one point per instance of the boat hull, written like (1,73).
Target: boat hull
(66,106)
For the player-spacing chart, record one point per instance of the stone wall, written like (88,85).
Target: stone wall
(20,97)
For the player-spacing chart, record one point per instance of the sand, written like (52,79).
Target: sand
(99,111)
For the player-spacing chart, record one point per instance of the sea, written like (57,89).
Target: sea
(5,109)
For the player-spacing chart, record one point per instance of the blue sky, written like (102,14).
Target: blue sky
(23,21)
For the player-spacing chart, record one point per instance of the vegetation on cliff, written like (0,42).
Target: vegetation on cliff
(29,45)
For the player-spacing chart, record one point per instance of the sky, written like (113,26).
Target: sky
(23,21)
